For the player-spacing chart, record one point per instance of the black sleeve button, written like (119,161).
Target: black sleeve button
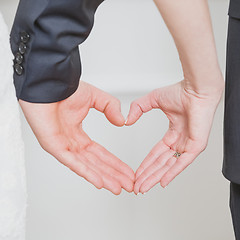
(19,58)
(22,48)
(24,37)
(18,69)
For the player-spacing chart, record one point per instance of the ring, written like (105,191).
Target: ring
(177,154)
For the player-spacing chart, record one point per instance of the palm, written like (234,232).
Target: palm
(58,128)
(190,118)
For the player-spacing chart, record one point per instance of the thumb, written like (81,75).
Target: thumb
(140,106)
(109,105)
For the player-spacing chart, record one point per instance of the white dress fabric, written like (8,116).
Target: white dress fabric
(13,193)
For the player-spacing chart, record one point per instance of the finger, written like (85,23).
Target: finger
(151,181)
(111,160)
(107,182)
(168,139)
(140,106)
(157,150)
(122,179)
(157,164)
(182,162)
(108,105)
(111,184)
(72,162)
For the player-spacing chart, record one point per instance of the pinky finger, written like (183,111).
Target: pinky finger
(182,162)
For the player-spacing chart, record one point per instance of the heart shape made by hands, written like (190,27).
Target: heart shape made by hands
(58,128)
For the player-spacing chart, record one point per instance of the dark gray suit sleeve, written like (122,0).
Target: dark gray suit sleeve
(231,126)
(234,8)
(44,40)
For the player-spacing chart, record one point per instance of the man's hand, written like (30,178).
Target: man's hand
(58,128)
(190,119)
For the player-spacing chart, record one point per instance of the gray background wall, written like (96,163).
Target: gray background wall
(129,53)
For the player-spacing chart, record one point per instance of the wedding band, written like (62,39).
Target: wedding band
(177,154)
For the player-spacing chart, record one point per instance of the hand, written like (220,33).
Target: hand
(190,119)
(58,128)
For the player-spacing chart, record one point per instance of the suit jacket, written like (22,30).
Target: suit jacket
(44,40)
(234,8)
(231,130)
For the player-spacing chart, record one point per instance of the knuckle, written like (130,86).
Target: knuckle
(116,175)
(181,165)
(134,104)
(70,167)
(168,164)
(157,162)
(45,146)
(202,145)
(154,94)
(85,170)
(117,190)
(166,179)
(116,101)
(141,178)
(155,175)
(151,155)
(80,169)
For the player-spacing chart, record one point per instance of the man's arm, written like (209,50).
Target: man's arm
(44,39)
(190,104)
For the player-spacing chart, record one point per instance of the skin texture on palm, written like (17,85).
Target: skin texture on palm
(190,118)
(58,128)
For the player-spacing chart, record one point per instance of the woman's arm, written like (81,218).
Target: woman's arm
(190,104)
(190,25)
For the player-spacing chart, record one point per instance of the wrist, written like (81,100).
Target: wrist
(202,73)
(211,86)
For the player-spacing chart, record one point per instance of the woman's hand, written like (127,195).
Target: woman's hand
(58,128)
(190,119)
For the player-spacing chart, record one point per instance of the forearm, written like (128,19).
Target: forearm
(50,66)
(190,25)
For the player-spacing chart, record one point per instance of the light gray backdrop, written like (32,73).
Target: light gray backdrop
(129,53)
